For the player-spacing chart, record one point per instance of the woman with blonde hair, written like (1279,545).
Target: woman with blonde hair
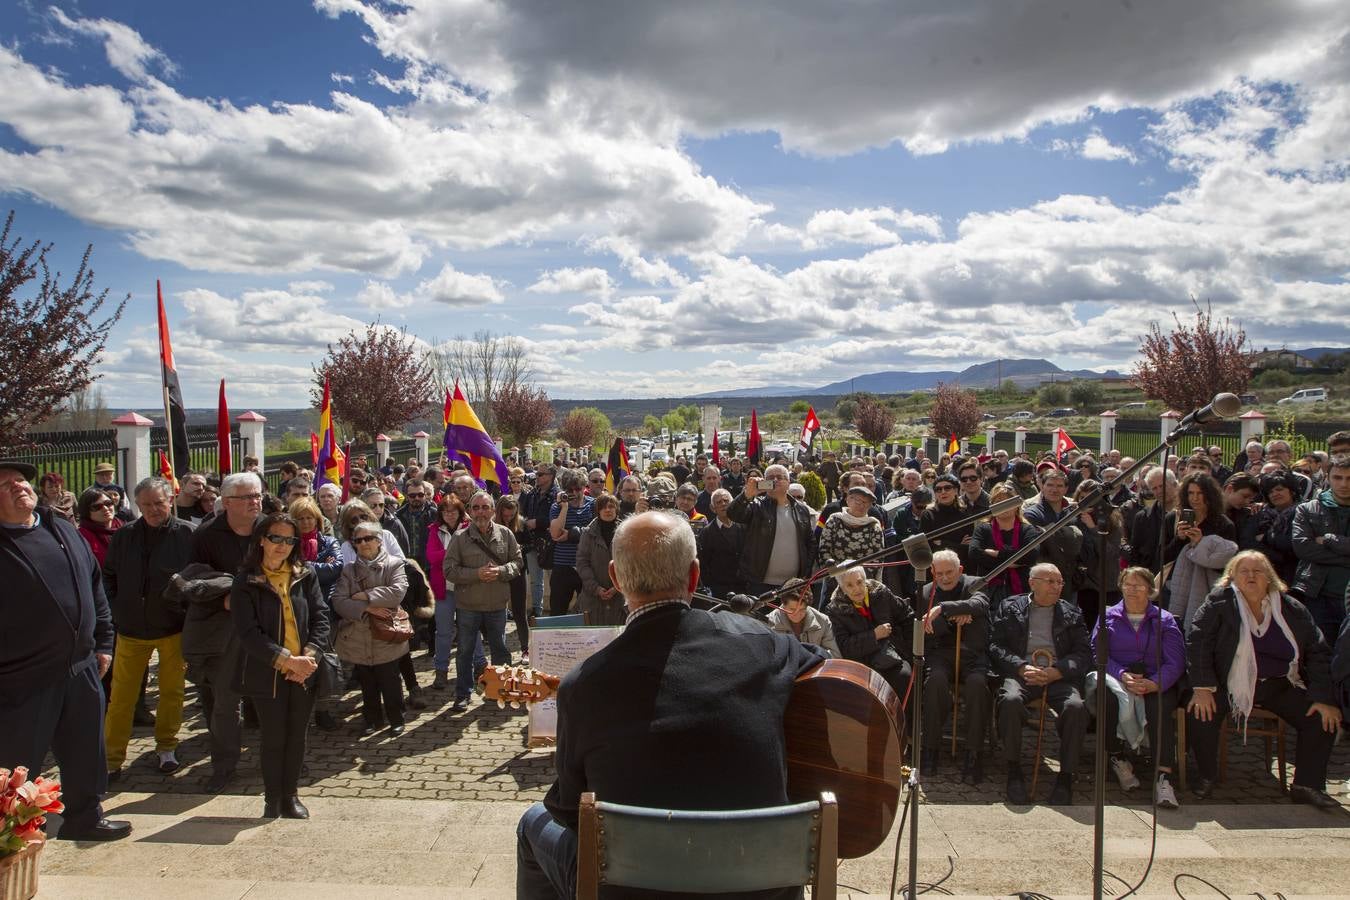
(1251,644)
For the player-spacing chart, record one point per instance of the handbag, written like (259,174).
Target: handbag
(328,680)
(396,630)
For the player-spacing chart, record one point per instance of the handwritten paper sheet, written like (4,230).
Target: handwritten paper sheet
(558,651)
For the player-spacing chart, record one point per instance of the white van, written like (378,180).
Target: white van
(1307,395)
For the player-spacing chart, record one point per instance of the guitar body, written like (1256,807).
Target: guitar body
(843,734)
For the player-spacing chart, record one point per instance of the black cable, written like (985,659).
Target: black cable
(1181,875)
(899,833)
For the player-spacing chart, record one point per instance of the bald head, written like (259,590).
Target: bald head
(654,558)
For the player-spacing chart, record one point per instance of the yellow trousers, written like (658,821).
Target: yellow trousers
(130,661)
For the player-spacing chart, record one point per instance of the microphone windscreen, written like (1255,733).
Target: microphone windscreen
(741,603)
(917,551)
(1227,405)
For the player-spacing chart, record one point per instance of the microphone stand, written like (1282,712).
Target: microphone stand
(1099,500)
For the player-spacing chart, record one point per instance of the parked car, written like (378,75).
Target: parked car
(1126,407)
(988,417)
(660,455)
(1062,412)
(1307,395)
(926,420)
(1024,414)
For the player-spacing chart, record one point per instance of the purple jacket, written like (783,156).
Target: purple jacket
(1128,646)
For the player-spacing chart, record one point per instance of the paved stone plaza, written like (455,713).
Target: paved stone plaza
(440,802)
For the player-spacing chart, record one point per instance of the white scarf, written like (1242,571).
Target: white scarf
(1242,674)
(855,521)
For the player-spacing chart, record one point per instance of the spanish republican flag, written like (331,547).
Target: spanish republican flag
(466,438)
(953,445)
(329,468)
(618,468)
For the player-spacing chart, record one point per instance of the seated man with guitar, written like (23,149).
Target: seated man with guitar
(684,710)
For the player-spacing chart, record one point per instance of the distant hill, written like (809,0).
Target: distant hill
(1023,372)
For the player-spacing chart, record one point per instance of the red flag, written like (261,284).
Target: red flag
(314,448)
(753,447)
(347,472)
(809,429)
(716,453)
(166,472)
(224,463)
(1063,443)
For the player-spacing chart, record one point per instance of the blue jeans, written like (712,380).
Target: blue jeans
(491,625)
(538,578)
(546,857)
(445,635)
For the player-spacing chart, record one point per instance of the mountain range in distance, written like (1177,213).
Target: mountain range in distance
(1022,372)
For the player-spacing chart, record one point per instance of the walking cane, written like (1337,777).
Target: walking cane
(1040,731)
(956,687)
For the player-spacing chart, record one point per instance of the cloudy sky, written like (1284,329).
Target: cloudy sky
(663,198)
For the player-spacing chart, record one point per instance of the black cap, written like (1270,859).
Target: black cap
(28,471)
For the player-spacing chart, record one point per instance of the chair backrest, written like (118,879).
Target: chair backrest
(708,851)
(560,621)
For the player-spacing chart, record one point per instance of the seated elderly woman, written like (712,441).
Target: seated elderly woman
(872,626)
(797,617)
(1146,659)
(1250,645)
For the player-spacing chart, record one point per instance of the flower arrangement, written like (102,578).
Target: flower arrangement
(24,806)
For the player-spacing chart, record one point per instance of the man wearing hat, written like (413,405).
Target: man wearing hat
(104,473)
(50,696)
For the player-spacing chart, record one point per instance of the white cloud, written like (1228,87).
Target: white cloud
(1096,146)
(865,226)
(574,281)
(376,295)
(127,51)
(310,287)
(454,288)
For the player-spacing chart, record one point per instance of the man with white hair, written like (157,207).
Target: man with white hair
(210,644)
(683,710)
(780,539)
(1039,645)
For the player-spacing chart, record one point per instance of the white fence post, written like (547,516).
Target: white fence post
(1253,427)
(422,438)
(133,436)
(1108,423)
(1167,423)
(251,433)
(381,449)
(1020,439)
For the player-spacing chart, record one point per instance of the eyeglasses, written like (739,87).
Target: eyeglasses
(107,504)
(480,507)
(365,538)
(967,479)
(247,498)
(282,539)
(944,487)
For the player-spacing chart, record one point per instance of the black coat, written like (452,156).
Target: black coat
(939,516)
(54,620)
(719,555)
(1212,641)
(207,629)
(1008,641)
(760,518)
(964,600)
(856,635)
(1144,531)
(136,571)
(683,710)
(255,610)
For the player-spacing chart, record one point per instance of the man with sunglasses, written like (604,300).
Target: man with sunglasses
(209,642)
(417,515)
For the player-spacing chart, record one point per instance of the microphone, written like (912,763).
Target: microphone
(841,567)
(742,603)
(1221,407)
(917,551)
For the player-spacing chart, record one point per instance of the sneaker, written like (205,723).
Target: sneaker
(1124,773)
(1163,795)
(168,762)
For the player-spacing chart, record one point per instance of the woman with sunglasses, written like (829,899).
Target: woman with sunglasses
(282,624)
(381,505)
(98,521)
(372,587)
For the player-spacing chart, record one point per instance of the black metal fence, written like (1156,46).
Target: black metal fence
(203,449)
(71,454)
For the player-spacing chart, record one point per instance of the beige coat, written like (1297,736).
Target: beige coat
(385,582)
(468,552)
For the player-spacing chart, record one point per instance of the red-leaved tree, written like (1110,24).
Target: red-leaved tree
(52,337)
(1186,368)
(380,379)
(578,429)
(523,413)
(955,411)
(873,421)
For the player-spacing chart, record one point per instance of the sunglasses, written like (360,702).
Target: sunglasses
(944,487)
(966,479)
(365,538)
(282,539)
(108,504)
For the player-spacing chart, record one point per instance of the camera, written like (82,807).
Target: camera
(1186,516)
(656,501)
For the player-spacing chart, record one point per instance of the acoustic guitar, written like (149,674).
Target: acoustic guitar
(842,729)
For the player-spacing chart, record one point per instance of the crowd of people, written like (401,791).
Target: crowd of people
(1221,585)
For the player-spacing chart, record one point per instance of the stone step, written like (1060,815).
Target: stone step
(217,847)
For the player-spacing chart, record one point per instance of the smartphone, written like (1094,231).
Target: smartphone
(1186,517)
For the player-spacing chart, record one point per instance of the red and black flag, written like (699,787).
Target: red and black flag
(618,467)
(754,448)
(175,418)
(809,429)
